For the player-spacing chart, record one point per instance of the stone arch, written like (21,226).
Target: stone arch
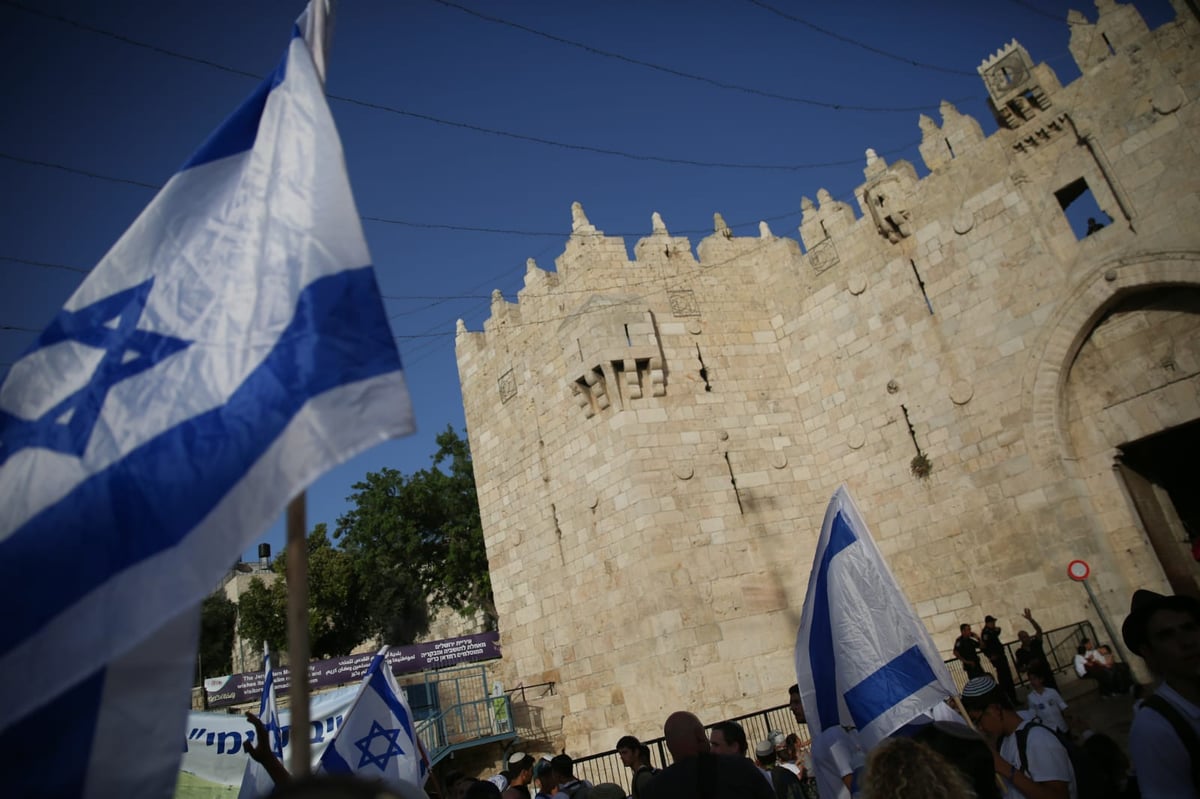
(1098,291)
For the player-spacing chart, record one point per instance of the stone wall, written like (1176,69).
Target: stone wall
(655,440)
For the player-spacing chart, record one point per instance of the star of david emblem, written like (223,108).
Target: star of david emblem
(381,760)
(109,324)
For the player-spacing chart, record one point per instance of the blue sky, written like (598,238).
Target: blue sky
(124,90)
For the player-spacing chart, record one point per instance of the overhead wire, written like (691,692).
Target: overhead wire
(682,74)
(912,62)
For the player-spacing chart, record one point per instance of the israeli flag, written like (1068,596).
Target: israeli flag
(230,348)
(256,781)
(378,739)
(863,657)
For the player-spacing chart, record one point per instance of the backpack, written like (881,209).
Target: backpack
(1089,779)
(786,780)
(1187,735)
(639,780)
(577,789)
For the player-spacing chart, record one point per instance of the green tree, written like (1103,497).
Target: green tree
(417,543)
(338,617)
(262,614)
(218,616)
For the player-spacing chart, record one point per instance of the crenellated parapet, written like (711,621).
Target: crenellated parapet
(957,135)
(661,246)
(1118,25)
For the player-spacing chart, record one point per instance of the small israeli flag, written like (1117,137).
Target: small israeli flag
(378,739)
(229,348)
(256,781)
(863,657)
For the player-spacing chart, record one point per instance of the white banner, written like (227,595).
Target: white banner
(213,746)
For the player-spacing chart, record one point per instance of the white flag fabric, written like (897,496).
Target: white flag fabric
(378,739)
(863,657)
(228,349)
(256,781)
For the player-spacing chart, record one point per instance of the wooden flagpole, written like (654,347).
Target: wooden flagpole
(297,522)
(297,625)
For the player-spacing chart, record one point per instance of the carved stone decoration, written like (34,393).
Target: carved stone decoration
(961,392)
(778,460)
(684,471)
(964,220)
(507,384)
(856,437)
(694,327)
(823,255)
(857,284)
(683,303)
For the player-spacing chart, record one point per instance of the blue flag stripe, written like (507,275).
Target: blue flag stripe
(821,655)
(886,687)
(144,495)
(380,685)
(240,129)
(39,756)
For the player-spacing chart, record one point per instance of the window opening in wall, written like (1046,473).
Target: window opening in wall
(949,147)
(1082,211)
(1111,50)
(628,340)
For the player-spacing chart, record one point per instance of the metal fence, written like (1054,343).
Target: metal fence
(607,767)
(1059,645)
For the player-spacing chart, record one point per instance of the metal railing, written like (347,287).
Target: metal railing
(607,766)
(1059,645)
(464,713)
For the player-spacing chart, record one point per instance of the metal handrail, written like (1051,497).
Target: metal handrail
(1059,645)
(466,724)
(607,767)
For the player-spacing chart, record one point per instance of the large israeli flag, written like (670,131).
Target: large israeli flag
(256,782)
(230,348)
(863,657)
(378,739)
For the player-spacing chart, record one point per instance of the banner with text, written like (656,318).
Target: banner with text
(247,686)
(213,751)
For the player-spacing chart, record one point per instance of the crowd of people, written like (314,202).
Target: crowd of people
(990,746)
(987,747)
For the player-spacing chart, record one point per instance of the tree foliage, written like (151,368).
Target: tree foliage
(337,608)
(218,615)
(418,543)
(407,547)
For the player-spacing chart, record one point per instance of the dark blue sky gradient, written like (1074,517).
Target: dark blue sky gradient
(80,99)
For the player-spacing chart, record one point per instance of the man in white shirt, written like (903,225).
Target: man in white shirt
(835,754)
(1046,772)
(1046,703)
(1164,741)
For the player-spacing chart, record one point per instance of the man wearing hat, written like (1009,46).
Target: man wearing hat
(1164,741)
(1046,769)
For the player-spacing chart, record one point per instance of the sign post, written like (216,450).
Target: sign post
(1079,571)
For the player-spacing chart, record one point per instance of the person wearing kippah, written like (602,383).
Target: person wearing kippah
(1045,768)
(1164,741)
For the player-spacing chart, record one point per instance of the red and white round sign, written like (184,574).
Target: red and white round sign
(1078,570)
